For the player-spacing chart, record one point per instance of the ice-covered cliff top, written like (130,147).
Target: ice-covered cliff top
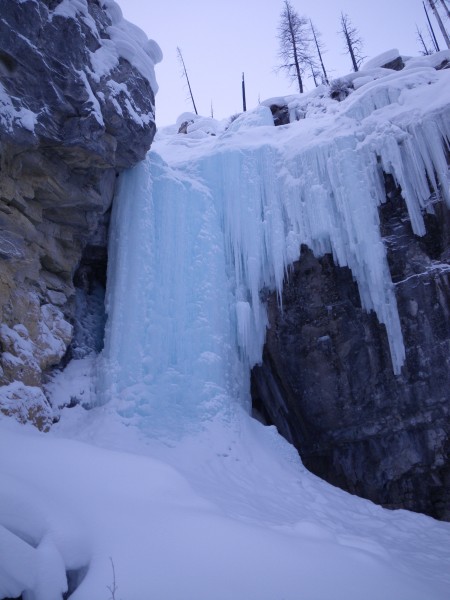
(319,179)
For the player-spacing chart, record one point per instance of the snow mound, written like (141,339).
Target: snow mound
(381,60)
(232,513)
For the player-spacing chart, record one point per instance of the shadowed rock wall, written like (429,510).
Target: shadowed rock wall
(327,383)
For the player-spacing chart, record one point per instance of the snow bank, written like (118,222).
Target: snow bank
(236,518)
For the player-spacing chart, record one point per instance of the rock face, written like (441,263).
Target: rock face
(73,111)
(327,383)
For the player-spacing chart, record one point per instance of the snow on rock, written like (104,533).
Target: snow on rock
(88,46)
(26,404)
(258,117)
(54,335)
(129,41)
(437,60)
(73,384)
(11,113)
(25,356)
(381,60)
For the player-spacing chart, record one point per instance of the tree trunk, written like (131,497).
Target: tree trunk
(352,54)
(325,76)
(244,101)
(296,63)
(440,23)
(447,10)
(180,56)
(433,37)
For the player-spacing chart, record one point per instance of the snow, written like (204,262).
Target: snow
(126,41)
(25,402)
(157,465)
(227,514)
(10,115)
(433,60)
(381,60)
(96,109)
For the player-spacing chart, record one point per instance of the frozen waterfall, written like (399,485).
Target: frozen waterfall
(207,223)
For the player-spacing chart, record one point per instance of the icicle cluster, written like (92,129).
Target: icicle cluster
(209,222)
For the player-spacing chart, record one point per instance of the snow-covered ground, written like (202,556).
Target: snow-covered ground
(225,515)
(166,477)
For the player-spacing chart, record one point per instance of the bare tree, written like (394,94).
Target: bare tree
(319,48)
(446,8)
(294,39)
(113,587)
(244,101)
(430,27)
(353,42)
(315,73)
(184,71)
(426,50)
(432,4)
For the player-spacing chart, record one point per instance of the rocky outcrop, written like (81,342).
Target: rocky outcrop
(327,382)
(76,106)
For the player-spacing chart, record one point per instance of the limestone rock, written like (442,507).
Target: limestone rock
(26,404)
(76,106)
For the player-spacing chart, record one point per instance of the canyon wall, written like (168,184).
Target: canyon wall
(327,382)
(75,109)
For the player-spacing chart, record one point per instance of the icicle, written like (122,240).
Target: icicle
(194,242)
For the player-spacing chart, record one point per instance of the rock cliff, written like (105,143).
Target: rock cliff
(327,383)
(76,106)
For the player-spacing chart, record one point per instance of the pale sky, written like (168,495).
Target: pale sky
(220,40)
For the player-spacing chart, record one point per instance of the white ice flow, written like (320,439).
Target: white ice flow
(168,475)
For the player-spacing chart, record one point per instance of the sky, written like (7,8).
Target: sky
(220,40)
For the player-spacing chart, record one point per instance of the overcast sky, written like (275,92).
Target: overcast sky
(222,38)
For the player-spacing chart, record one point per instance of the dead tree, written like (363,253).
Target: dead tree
(353,42)
(315,74)
(319,48)
(294,39)
(432,4)
(425,51)
(184,71)
(446,8)
(430,26)
(244,101)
